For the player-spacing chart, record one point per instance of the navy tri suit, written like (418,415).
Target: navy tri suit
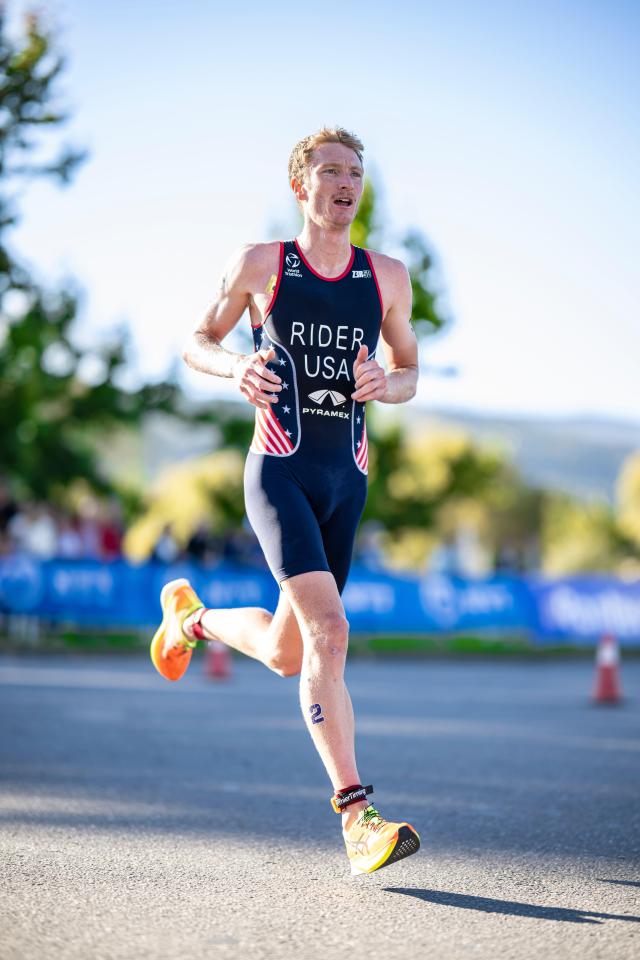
(305,477)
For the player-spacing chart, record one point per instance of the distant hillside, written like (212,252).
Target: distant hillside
(581,455)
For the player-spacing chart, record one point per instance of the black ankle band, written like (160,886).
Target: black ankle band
(348,795)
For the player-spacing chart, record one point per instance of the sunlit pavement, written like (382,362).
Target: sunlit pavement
(140,819)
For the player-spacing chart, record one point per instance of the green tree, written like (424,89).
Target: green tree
(421,484)
(58,401)
(628,500)
(579,536)
(368,230)
(28,71)
(592,536)
(205,490)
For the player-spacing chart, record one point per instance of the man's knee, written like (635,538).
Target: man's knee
(284,664)
(328,635)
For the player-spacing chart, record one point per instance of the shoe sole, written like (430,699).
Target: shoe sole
(406,843)
(157,643)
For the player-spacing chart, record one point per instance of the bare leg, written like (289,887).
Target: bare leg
(274,639)
(326,705)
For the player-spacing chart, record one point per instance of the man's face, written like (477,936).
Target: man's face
(332,186)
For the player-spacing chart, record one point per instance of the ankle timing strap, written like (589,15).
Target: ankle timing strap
(196,626)
(345,797)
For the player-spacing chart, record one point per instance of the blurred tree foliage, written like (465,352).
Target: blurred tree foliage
(628,500)
(592,536)
(422,487)
(208,489)
(28,70)
(579,537)
(58,400)
(413,476)
(367,229)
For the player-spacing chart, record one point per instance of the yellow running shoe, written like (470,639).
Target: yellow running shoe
(171,649)
(372,842)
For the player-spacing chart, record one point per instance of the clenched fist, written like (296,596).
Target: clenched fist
(255,380)
(371,380)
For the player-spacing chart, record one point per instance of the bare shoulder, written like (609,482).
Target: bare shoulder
(257,256)
(252,263)
(394,282)
(388,269)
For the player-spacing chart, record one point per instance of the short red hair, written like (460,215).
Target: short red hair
(303,150)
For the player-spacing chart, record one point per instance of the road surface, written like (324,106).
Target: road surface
(140,819)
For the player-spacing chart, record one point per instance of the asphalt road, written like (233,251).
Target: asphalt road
(142,820)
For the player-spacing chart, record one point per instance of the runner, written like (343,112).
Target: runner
(318,306)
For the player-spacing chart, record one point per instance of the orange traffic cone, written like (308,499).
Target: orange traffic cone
(607,688)
(218,660)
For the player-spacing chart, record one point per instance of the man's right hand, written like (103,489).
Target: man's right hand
(255,380)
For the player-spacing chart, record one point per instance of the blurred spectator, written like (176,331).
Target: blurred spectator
(203,546)
(95,532)
(33,530)
(111,532)
(8,506)
(462,554)
(46,532)
(166,549)
(89,528)
(444,558)
(70,544)
(474,559)
(241,547)
(510,558)
(369,550)
(8,510)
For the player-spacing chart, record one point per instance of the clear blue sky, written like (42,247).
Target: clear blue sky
(508,132)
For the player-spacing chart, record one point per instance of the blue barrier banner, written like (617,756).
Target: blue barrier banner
(119,594)
(583,608)
(376,602)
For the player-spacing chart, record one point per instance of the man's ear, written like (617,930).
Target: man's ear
(299,189)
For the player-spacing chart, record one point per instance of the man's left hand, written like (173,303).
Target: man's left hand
(371,380)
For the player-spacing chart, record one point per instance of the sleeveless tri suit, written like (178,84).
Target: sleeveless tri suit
(305,477)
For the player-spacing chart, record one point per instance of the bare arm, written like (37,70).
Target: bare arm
(203,350)
(398,340)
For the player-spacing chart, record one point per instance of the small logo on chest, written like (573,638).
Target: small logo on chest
(333,399)
(292,261)
(319,396)
(361,274)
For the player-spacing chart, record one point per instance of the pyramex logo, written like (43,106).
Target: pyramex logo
(292,262)
(361,274)
(327,398)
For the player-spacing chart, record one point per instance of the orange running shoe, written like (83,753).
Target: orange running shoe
(171,649)
(373,842)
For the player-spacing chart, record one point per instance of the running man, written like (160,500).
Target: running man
(317,306)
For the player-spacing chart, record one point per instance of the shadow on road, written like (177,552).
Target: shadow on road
(622,883)
(101,745)
(509,907)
